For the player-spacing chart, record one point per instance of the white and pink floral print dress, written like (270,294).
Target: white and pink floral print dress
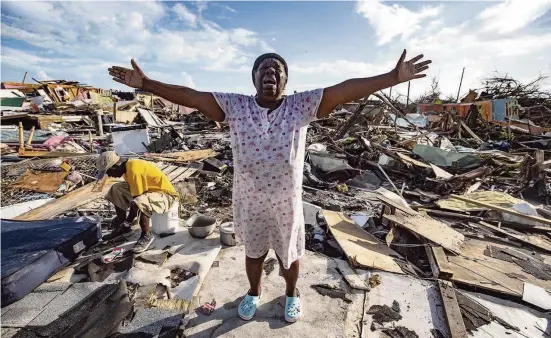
(268,152)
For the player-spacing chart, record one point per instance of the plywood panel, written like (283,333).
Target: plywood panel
(474,268)
(430,229)
(362,248)
(67,202)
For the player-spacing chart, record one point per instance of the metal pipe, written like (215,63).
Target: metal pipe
(460,82)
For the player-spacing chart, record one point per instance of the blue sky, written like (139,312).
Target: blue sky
(212,45)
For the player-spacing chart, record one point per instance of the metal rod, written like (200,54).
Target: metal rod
(388,178)
(24,77)
(460,82)
(407,99)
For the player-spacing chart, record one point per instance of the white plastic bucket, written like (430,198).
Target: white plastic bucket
(166,223)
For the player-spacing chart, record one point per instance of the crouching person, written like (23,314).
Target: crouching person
(146,190)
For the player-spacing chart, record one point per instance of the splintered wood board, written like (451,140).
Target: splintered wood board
(534,240)
(185,156)
(452,310)
(430,229)
(474,268)
(67,202)
(362,248)
(180,174)
(502,209)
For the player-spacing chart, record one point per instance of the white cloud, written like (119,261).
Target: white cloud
(187,80)
(243,37)
(341,68)
(512,15)
(390,21)
(184,14)
(70,35)
(41,75)
(477,44)
(266,47)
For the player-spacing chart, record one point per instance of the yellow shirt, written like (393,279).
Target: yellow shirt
(143,176)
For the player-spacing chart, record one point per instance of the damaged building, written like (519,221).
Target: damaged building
(428,219)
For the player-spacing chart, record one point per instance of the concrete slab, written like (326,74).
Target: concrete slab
(8,332)
(64,302)
(189,253)
(19,317)
(322,316)
(420,302)
(34,300)
(151,321)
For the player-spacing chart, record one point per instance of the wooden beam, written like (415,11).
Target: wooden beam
(468,130)
(432,262)
(67,202)
(36,153)
(452,310)
(21,138)
(30,139)
(502,209)
(393,204)
(517,237)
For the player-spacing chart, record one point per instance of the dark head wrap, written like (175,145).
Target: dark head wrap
(268,56)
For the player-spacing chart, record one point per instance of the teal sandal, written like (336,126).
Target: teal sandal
(292,308)
(247,307)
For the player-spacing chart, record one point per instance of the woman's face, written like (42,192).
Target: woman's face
(270,79)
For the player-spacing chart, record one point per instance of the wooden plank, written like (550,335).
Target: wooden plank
(441,260)
(430,229)
(67,202)
(391,203)
(440,173)
(482,272)
(502,209)
(37,153)
(452,310)
(184,156)
(185,174)
(169,169)
(410,160)
(362,248)
(432,262)
(468,130)
(351,277)
(530,240)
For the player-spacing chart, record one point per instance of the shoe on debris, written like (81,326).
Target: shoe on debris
(143,242)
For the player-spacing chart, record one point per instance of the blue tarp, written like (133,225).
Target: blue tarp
(32,251)
(498,109)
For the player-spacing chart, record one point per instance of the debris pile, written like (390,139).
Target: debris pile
(453,192)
